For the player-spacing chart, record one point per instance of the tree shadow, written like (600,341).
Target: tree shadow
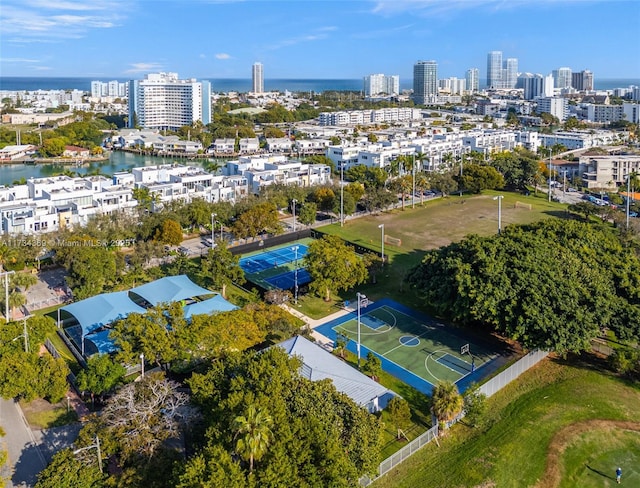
(600,473)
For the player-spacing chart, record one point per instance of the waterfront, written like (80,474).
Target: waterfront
(225,85)
(118,161)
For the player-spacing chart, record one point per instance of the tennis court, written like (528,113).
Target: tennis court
(277,267)
(415,348)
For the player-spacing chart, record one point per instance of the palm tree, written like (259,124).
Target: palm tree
(255,434)
(447,402)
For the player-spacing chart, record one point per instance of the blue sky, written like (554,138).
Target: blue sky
(124,39)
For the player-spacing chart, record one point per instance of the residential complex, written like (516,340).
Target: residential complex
(165,102)
(53,203)
(379,84)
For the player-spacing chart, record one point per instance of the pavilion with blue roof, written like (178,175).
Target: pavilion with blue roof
(91,317)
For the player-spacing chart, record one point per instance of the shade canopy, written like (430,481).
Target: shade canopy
(215,304)
(170,289)
(101,310)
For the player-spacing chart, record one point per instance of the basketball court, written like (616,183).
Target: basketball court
(415,348)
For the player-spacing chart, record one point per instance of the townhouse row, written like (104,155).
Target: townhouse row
(53,203)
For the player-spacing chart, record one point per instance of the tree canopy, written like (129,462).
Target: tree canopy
(316,436)
(333,266)
(552,285)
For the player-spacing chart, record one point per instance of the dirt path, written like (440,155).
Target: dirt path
(552,474)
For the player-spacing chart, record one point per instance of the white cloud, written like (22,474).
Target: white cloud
(60,19)
(222,56)
(300,39)
(144,67)
(445,7)
(18,60)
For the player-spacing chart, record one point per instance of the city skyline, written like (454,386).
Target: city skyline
(321,39)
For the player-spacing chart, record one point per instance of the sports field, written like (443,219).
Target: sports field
(277,267)
(416,349)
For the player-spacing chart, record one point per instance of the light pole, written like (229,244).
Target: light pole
(293,207)
(142,364)
(628,196)
(360,297)
(341,193)
(295,275)
(6,291)
(499,198)
(213,235)
(381,226)
(97,446)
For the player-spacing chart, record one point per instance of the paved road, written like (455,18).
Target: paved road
(25,458)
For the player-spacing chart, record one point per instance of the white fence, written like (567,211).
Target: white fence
(498,382)
(408,450)
(489,388)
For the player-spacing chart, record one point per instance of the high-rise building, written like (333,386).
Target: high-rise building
(501,74)
(453,85)
(257,78)
(379,84)
(511,73)
(582,81)
(473,80)
(562,78)
(425,82)
(109,89)
(532,85)
(494,70)
(162,101)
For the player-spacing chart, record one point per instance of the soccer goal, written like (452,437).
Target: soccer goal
(523,205)
(394,241)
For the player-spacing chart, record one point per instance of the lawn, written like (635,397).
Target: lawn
(438,223)
(523,420)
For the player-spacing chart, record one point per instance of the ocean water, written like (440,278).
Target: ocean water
(223,85)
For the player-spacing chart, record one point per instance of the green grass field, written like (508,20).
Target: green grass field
(438,223)
(523,419)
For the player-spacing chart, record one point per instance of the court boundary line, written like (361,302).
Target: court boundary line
(401,345)
(373,331)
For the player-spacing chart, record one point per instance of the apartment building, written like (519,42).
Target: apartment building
(163,101)
(607,172)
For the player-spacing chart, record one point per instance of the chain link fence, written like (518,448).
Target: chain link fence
(489,388)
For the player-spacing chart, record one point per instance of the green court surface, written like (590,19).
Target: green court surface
(418,350)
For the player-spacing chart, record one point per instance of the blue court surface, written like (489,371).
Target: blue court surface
(286,281)
(272,259)
(415,348)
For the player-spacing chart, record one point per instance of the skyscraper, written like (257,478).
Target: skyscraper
(257,77)
(494,70)
(162,101)
(583,80)
(562,78)
(501,74)
(425,82)
(511,73)
(378,84)
(473,80)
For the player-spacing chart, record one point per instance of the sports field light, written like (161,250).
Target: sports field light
(294,202)
(381,226)
(295,275)
(499,198)
(361,299)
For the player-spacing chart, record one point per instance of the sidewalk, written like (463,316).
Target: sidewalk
(313,323)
